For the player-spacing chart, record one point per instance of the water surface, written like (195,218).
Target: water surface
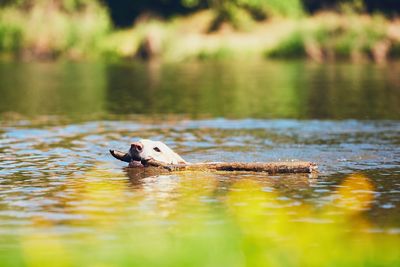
(295,90)
(60,119)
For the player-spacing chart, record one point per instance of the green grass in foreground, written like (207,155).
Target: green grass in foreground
(250,227)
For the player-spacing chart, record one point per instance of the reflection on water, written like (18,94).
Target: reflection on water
(164,219)
(258,89)
(62,196)
(46,88)
(39,165)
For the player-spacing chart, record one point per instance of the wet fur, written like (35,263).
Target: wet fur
(154,151)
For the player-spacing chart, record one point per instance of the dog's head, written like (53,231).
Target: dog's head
(145,150)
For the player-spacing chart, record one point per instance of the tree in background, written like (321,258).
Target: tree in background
(241,13)
(124,13)
(80,28)
(387,7)
(237,12)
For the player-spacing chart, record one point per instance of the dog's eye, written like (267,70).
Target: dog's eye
(157,149)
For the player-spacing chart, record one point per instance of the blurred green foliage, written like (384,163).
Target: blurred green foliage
(237,12)
(125,12)
(345,37)
(240,12)
(251,227)
(291,47)
(87,28)
(68,5)
(48,29)
(10,37)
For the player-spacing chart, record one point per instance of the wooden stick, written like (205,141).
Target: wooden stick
(121,155)
(268,167)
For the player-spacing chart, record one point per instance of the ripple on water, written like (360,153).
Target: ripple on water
(43,169)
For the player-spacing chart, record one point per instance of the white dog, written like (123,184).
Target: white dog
(154,153)
(148,150)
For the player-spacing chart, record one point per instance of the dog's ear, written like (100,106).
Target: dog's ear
(121,155)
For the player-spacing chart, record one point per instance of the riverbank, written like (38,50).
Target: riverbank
(48,33)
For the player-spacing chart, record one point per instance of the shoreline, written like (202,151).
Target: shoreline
(324,37)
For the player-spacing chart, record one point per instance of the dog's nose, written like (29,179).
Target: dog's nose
(137,146)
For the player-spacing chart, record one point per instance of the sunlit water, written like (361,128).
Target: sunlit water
(343,117)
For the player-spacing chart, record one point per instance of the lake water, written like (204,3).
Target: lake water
(58,121)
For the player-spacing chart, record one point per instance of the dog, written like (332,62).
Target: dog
(145,150)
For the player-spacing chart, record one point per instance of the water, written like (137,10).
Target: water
(60,119)
(295,90)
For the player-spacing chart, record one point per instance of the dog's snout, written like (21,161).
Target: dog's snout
(137,146)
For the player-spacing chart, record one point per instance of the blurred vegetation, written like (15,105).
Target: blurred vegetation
(182,29)
(338,37)
(251,227)
(48,29)
(241,13)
